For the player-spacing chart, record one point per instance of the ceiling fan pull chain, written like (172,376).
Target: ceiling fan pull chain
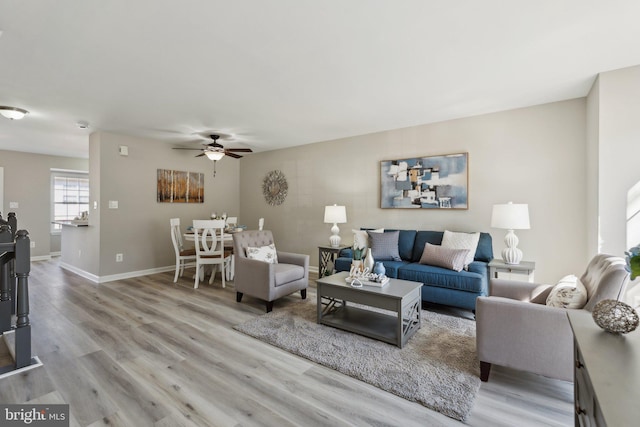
(214,168)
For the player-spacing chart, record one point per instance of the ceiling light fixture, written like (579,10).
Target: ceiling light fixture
(13,113)
(214,155)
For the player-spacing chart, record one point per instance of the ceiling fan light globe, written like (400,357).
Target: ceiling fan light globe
(214,155)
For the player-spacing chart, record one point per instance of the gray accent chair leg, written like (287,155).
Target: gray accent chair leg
(303,293)
(269,306)
(485,368)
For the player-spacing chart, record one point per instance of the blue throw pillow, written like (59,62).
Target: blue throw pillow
(384,246)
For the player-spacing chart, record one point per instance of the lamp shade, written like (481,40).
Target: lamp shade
(335,214)
(510,216)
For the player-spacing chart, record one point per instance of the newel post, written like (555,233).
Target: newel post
(6,260)
(23,327)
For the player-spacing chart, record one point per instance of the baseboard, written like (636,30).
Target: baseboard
(313,269)
(112,277)
(41,258)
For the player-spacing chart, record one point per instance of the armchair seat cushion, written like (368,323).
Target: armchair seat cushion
(286,273)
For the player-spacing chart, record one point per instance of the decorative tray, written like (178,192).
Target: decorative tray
(367,280)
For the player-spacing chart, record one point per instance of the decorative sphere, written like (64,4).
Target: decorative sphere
(615,316)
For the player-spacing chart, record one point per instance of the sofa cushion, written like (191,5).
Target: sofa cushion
(429,275)
(287,273)
(422,238)
(384,246)
(406,240)
(391,268)
(484,252)
(569,292)
(453,259)
(469,241)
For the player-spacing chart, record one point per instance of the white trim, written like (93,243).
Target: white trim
(40,258)
(54,254)
(112,277)
(69,171)
(313,269)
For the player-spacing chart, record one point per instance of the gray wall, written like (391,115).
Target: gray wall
(533,155)
(139,228)
(27,180)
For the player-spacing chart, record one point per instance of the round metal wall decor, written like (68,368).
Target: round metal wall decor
(274,188)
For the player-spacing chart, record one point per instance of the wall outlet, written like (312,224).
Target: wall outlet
(119,257)
(32,244)
(13,205)
(113,204)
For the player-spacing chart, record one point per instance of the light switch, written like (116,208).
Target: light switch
(13,205)
(95,204)
(113,204)
(123,150)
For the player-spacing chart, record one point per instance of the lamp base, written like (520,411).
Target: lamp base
(511,254)
(334,240)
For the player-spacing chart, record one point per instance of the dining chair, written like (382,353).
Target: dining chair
(210,250)
(182,255)
(260,224)
(232,221)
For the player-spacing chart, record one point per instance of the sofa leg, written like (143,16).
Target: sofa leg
(303,293)
(269,306)
(485,367)
(238,296)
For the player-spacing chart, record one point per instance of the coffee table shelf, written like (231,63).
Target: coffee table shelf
(379,326)
(400,298)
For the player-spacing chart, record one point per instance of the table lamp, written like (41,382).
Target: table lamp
(511,217)
(337,215)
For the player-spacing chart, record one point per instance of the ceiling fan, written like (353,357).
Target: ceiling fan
(216,151)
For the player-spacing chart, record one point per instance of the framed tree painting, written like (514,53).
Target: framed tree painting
(180,187)
(430,182)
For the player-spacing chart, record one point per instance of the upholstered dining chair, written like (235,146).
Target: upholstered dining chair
(265,280)
(210,250)
(183,255)
(516,329)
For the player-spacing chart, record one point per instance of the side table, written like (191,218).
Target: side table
(326,255)
(499,266)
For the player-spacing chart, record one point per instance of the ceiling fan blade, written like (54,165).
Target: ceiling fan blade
(235,156)
(200,155)
(183,148)
(241,150)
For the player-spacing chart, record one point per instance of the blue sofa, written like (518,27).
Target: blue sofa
(441,286)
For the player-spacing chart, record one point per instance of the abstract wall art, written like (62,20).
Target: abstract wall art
(430,182)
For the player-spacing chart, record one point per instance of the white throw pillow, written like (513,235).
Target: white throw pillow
(453,240)
(263,253)
(569,292)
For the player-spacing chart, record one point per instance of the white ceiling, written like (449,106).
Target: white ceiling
(281,73)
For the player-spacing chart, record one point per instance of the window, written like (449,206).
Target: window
(69,195)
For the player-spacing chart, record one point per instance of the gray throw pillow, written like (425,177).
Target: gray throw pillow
(453,259)
(384,246)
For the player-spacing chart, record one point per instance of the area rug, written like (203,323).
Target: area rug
(437,368)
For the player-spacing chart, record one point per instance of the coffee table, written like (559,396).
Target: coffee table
(400,298)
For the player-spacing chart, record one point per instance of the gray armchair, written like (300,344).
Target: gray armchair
(515,328)
(263,280)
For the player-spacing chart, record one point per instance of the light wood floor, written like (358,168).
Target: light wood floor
(143,351)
